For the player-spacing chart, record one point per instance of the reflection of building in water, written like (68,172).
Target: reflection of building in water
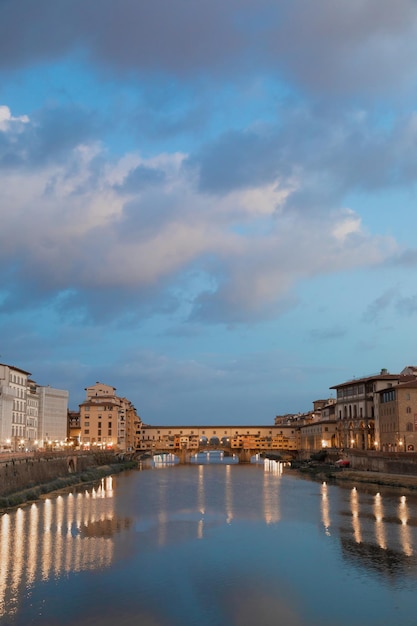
(68,533)
(379,535)
(272,469)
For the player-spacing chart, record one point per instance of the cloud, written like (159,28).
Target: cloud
(7,120)
(379,305)
(325,334)
(364,46)
(407,305)
(103,236)
(140,178)
(49,135)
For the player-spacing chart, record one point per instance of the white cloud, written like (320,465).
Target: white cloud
(349,224)
(6,118)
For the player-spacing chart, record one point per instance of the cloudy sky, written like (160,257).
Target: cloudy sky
(209,205)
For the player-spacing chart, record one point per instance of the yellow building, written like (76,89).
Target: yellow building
(397,408)
(107,421)
(235,437)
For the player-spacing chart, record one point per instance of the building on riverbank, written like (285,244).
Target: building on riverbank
(107,420)
(357,408)
(256,438)
(397,410)
(52,420)
(30,414)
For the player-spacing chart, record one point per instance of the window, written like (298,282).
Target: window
(408,409)
(409,427)
(109,433)
(86,431)
(86,423)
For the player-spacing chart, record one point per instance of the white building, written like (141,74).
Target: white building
(32,412)
(29,414)
(13,397)
(52,416)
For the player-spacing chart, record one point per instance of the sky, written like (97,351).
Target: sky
(209,205)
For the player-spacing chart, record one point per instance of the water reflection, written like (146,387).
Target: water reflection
(405,530)
(325,509)
(214,457)
(382,535)
(56,535)
(183,533)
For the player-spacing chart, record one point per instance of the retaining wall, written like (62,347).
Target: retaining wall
(17,474)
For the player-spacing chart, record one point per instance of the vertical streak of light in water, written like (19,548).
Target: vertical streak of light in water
(79,520)
(47,539)
(379,522)
(162,513)
(33,547)
(228,494)
(325,510)
(201,501)
(18,549)
(405,534)
(354,505)
(4,559)
(58,550)
(271,492)
(69,540)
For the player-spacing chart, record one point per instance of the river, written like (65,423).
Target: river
(211,545)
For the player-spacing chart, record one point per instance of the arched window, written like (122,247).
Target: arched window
(409,427)
(408,409)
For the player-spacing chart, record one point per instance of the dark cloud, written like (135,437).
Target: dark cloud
(408,259)
(49,136)
(140,178)
(325,334)
(379,305)
(363,46)
(237,160)
(326,158)
(408,305)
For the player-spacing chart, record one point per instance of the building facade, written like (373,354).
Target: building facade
(398,418)
(357,409)
(234,437)
(52,417)
(107,421)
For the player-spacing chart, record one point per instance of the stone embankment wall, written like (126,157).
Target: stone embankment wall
(392,463)
(17,474)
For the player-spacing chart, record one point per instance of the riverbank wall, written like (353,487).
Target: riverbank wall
(368,460)
(392,463)
(18,474)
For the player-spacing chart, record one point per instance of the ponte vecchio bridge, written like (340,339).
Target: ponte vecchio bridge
(243,441)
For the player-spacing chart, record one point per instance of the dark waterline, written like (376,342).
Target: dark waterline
(211,545)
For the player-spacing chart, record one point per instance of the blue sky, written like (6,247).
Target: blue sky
(210,206)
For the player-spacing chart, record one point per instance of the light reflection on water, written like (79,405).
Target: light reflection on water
(218,544)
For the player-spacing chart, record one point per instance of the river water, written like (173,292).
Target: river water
(218,545)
